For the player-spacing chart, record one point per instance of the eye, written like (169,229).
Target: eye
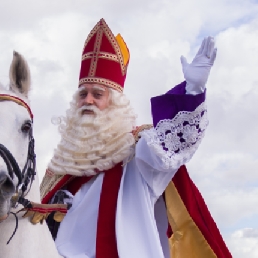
(97,95)
(83,94)
(26,127)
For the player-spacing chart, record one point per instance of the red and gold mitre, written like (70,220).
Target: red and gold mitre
(104,58)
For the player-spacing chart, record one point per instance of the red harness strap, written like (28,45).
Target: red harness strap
(18,101)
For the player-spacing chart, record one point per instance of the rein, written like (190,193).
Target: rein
(25,176)
(11,163)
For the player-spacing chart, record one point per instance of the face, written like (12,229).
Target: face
(93,94)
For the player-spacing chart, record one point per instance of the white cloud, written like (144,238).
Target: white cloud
(244,243)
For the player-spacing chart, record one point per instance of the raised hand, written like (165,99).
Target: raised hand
(196,73)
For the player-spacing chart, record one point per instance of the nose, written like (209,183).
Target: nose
(7,188)
(89,100)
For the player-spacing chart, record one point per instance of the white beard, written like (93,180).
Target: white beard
(91,143)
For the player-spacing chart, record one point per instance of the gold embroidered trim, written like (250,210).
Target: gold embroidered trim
(108,56)
(102,81)
(103,55)
(87,56)
(94,59)
(48,183)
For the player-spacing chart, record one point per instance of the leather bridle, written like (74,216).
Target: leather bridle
(27,175)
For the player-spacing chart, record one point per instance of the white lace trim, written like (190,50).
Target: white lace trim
(176,140)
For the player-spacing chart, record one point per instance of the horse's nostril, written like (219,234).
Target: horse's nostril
(6,184)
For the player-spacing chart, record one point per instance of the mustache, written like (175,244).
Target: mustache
(90,108)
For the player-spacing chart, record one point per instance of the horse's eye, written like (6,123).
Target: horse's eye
(26,127)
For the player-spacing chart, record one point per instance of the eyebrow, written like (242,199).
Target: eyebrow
(96,87)
(81,89)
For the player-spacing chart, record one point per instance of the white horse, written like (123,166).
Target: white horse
(29,241)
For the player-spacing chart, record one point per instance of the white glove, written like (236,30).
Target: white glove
(196,74)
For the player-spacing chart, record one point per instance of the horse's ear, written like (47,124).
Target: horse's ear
(19,75)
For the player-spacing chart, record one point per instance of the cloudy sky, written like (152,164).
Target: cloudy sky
(51,34)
